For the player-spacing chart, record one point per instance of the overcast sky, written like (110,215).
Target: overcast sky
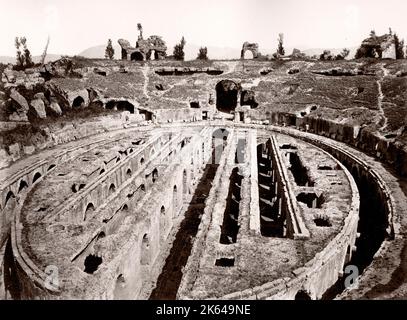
(75,25)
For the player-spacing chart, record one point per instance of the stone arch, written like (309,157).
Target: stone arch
(174,200)
(185,181)
(227,95)
(155,175)
(23,185)
(125,106)
(9,196)
(145,250)
(302,295)
(136,56)
(36,177)
(112,188)
(219,138)
(89,208)
(78,102)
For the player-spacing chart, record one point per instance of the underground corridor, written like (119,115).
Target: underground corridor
(169,280)
(272,220)
(226,96)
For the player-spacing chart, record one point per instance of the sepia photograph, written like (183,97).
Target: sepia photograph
(191,151)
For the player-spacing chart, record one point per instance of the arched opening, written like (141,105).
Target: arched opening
(90,207)
(302,295)
(102,171)
(143,188)
(78,102)
(125,106)
(141,160)
(117,159)
(248,54)
(92,262)
(52,166)
(23,185)
(36,176)
(112,188)
(145,250)
(226,95)
(111,105)
(219,140)
(152,55)
(163,221)
(128,172)
(136,56)
(125,207)
(155,175)
(174,200)
(9,195)
(247,98)
(184,182)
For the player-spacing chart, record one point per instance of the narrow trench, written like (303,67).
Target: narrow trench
(11,281)
(372,228)
(170,278)
(230,225)
(271,220)
(299,172)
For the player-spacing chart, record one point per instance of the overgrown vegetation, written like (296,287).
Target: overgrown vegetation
(179,53)
(109,52)
(203,53)
(24,59)
(280,48)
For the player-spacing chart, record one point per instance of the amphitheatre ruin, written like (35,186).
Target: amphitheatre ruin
(150,178)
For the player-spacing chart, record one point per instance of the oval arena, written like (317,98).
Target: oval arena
(213,198)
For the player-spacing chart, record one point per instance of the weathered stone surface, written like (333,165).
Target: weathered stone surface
(253,47)
(72,95)
(20,117)
(14,151)
(39,108)
(19,99)
(28,149)
(146,49)
(4,158)
(54,106)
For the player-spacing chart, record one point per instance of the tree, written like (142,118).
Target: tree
(109,52)
(140,29)
(280,48)
(20,57)
(27,53)
(179,53)
(399,44)
(24,59)
(326,55)
(345,52)
(203,53)
(44,54)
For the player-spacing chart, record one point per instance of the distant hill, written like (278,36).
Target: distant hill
(99,52)
(36,59)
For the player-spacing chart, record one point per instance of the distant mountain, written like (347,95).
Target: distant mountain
(36,59)
(98,52)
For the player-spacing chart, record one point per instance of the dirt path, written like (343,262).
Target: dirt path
(145,70)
